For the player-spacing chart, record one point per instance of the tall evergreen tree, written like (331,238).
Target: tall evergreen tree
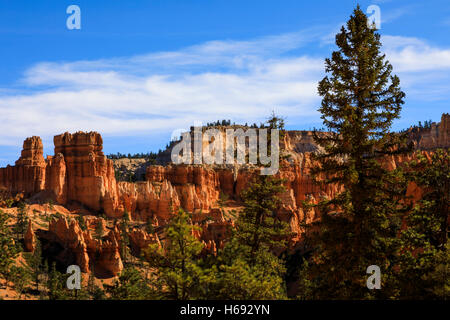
(22,220)
(258,226)
(8,250)
(35,264)
(249,266)
(94,291)
(21,277)
(358,226)
(177,270)
(56,285)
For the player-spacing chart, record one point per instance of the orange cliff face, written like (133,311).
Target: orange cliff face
(28,174)
(81,248)
(436,136)
(80,174)
(87,176)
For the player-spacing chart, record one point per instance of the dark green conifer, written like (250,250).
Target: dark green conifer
(358,227)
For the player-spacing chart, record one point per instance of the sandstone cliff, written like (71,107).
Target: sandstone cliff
(80,176)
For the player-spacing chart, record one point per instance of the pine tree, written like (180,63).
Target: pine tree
(93,291)
(130,285)
(22,220)
(34,261)
(275,122)
(258,226)
(433,176)
(223,198)
(177,270)
(249,266)
(8,250)
(358,227)
(425,238)
(56,285)
(21,277)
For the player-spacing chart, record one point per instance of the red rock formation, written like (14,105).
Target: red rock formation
(148,200)
(197,186)
(55,178)
(89,174)
(28,174)
(30,238)
(437,136)
(139,240)
(102,255)
(79,173)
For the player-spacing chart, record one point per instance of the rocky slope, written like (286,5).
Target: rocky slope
(81,178)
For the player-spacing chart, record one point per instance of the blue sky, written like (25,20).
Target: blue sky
(138,70)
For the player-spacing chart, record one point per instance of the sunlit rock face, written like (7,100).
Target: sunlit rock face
(79,174)
(28,174)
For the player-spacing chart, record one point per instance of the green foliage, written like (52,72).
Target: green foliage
(426,125)
(259,226)
(131,285)
(223,198)
(50,203)
(423,273)
(57,285)
(358,227)
(21,277)
(438,277)
(218,123)
(431,212)
(81,222)
(9,202)
(148,156)
(149,228)
(276,122)
(56,216)
(8,247)
(94,292)
(240,277)
(248,266)
(177,270)
(306,286)
(22,220)
(241,281)
(35,264)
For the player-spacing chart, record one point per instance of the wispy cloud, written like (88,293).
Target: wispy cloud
(163,91)
(390,15)
(241,80)
(412,55)
(423,69)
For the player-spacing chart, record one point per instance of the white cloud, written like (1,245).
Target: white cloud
(412,54)
(423,69)
(163,91)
